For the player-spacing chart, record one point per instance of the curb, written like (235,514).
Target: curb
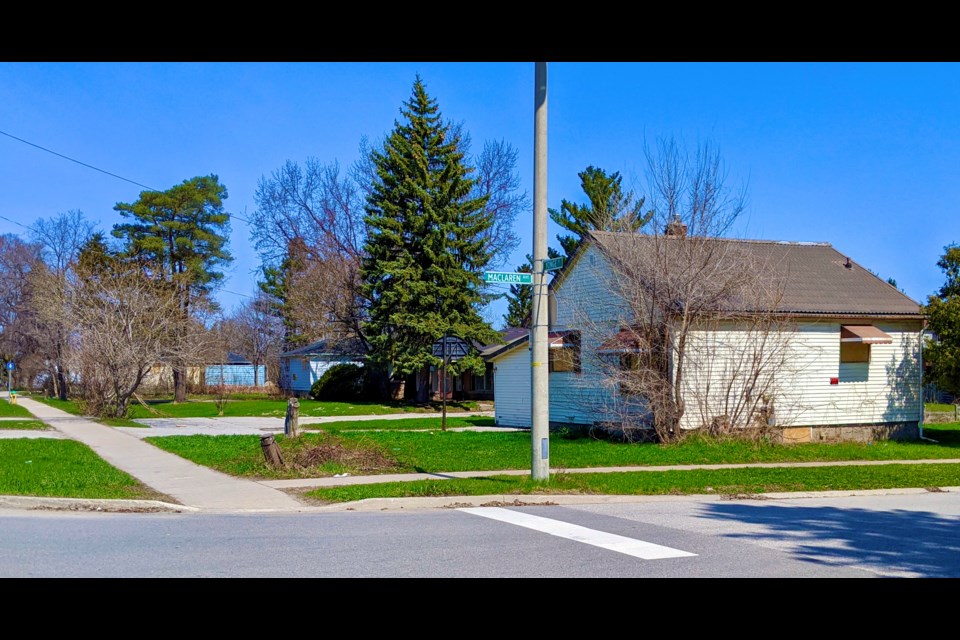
(92,504)
(514,500)
(441,502)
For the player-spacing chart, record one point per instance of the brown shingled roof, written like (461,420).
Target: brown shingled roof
(819,280)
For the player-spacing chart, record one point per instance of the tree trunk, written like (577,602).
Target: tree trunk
(61,378)
(61,384)
(179,384)
(291,424)
(271,451)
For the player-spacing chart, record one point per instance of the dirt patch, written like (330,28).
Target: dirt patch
(357,460)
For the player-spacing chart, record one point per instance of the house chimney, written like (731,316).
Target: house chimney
(848,265)
(675,227)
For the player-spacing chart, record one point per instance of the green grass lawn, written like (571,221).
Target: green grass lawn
(20,425)
(64,469)
(937,406)
(69,469)
(205,407)
(401,424)
(71,407)
(8,410)
(729,482)
(356,452)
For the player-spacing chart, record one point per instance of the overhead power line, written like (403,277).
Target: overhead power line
(90,166)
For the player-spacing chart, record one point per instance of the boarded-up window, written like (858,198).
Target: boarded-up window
(854,352)
(564,353)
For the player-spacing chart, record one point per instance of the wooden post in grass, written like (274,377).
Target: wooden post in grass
(291,424)
(271,451)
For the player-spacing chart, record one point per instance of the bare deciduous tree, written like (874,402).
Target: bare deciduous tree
(60,239)
(256,333)
(309,221)
(18,260)
(125,323)
(694,338)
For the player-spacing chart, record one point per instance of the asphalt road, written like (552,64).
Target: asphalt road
(827,537)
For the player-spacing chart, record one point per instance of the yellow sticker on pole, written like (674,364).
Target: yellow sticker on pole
(535,364)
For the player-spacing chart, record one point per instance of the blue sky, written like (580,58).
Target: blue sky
(865,156)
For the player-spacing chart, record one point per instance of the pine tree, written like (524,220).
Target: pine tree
(185,230)
(425,249)
(610,209)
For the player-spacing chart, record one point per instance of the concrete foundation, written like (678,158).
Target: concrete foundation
(852,432)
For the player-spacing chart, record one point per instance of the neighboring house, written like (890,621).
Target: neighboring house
(235,371)
(300,368)
(467,385)
(159,379)
(853,348)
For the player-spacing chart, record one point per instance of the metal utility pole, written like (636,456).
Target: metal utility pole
(539,363)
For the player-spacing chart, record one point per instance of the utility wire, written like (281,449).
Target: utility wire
(77,161)
(90,166)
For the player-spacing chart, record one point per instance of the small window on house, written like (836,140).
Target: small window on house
(854,352)
(629,382)
(564,352)
(855,341)
(625,352)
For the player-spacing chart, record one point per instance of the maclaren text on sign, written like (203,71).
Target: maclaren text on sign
(507,277)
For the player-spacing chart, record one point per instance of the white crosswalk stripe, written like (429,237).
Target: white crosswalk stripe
(611,541)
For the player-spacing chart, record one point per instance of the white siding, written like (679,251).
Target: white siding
(511,380)
(584,302)
(586,293)
(887,389)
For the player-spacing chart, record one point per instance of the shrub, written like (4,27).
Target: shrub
(341,382)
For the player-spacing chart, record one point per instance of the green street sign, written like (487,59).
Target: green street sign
(553,264)
(504,277)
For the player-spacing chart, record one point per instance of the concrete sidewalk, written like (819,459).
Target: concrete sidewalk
(200,489)
(194,486)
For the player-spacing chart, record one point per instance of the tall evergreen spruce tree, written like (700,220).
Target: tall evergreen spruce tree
(425,249)
(610,209)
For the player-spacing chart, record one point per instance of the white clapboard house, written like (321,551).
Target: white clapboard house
(852,364)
